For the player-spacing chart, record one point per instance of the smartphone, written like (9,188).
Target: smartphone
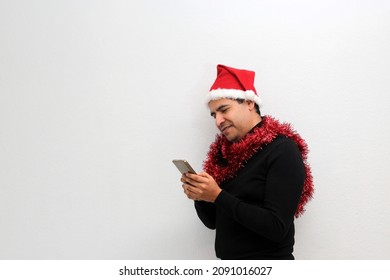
(183,166)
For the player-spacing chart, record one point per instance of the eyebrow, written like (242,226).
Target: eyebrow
(220,108)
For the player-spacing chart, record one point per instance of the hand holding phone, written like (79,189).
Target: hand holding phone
(210,189)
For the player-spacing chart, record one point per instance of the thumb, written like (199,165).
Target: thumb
(204,174)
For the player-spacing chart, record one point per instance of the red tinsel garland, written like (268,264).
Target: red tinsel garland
(238,153)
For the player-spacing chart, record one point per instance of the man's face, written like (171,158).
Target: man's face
(233,119)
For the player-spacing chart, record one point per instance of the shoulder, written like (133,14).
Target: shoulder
(282,141)
(282,148)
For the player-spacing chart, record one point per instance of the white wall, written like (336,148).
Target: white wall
(97,98)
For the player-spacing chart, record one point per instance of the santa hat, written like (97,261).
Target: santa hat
(234,83)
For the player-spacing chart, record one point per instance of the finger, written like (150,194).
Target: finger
(188,189)
(192,189)
(189,193)
(189,181)
(195,178)
(191,176)
(204,175)
(186,192)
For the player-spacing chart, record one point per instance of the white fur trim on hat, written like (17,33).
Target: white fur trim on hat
(234,94)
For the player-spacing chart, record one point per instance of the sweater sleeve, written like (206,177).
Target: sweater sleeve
(206,212)
(274,216)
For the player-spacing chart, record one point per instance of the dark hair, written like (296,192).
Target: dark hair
(239,100)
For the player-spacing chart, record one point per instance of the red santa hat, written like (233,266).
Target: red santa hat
(234,83)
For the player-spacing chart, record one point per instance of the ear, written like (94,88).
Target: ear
(251,104)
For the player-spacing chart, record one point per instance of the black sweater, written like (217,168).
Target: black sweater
(254,214)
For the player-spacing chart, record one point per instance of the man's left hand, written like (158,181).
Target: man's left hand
(200,186)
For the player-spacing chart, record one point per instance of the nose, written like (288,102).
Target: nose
(219,120)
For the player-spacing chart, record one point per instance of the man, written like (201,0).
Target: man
(255,179)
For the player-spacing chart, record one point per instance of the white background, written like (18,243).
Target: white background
(97,98)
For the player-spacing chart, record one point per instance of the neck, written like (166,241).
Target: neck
(255,121)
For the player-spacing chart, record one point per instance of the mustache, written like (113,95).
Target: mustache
(223,126)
